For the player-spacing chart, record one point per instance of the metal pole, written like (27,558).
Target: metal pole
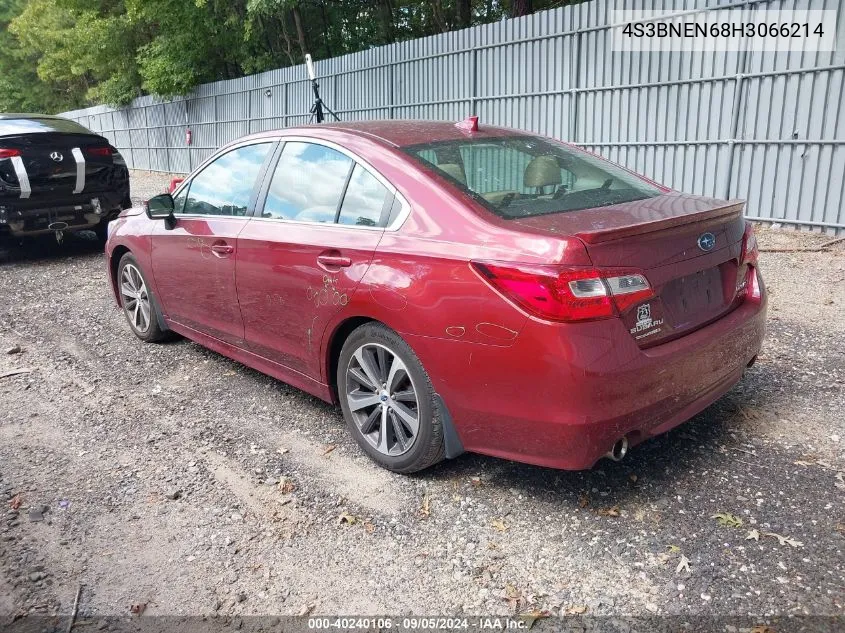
(737,105)
(147,130)
(473,81)
(248,113)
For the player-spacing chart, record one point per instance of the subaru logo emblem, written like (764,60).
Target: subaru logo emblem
(706,241)
(56,156)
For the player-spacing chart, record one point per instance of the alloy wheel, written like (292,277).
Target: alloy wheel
(382,399)
(136,299)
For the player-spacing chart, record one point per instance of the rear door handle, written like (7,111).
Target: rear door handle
(334,261)
(222,249)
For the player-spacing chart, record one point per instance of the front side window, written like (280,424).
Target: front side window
(225,185)
(525,176)
(308,183)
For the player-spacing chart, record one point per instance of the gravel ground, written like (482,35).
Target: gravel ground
(171,477)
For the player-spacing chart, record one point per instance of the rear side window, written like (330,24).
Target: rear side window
(308,183)
(364,200)
(35,126)
(224,186)
(316,183)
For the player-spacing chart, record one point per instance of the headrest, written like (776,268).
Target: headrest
(542,171)
(454,170)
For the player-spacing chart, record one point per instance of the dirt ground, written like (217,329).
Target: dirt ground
(171,477)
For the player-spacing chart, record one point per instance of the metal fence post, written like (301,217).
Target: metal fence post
(474,81)
(737,105)
(390,91)
(248,114)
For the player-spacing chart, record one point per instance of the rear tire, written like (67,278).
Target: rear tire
(138,303)
(388,400)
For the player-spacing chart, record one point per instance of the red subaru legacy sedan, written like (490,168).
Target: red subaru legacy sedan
(453,287)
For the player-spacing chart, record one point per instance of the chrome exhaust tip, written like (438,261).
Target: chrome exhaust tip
(619,450)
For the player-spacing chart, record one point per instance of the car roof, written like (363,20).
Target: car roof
(400,133)
(28,115)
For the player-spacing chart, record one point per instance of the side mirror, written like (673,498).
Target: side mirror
(161,207)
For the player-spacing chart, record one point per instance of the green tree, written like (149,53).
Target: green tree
(59,54)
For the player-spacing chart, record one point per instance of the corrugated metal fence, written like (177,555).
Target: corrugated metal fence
(766,127)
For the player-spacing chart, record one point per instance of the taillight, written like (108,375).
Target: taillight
(746,280)
(750,252)
(9,153)
(100,151)
(566,294)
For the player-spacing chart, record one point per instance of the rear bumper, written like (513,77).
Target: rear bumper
(562,395)
(25,218)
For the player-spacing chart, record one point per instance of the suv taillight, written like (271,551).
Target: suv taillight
(100,151)
(566,294)
(9,153)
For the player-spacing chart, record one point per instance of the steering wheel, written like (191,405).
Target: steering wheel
(606,184)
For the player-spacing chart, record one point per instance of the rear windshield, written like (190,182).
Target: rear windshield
(33,126)
(524,176)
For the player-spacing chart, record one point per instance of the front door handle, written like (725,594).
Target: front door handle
(222,249)
(334,261)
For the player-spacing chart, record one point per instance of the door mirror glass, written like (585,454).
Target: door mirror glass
(160,207)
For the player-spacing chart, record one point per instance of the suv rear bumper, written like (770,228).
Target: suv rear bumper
(562,395)
(25,218)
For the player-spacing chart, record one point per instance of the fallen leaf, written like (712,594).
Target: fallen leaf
(16,502)
(531,617)
(138,609)
(762,629)
(726,519)
(609,512)
(329,448)
(347,519)
(583,500)
(499,524)
(840,527)
(475,481)
(286,486)
(306,610)
(683,565)
(784,540)
(369,528)
(753,535)
(674,549)
(282,450)
(425,508)
(512,596)
(577,609)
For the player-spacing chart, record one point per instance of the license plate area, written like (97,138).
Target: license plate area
(698,297)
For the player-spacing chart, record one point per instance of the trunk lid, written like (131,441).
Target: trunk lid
(687,246)
(56,163)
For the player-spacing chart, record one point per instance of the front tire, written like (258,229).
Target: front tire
(138,303)
(388,401)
